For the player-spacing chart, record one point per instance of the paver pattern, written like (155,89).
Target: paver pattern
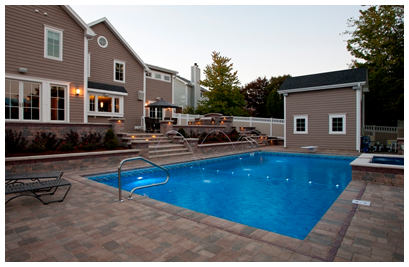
(91,225)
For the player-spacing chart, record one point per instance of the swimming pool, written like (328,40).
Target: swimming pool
(278,192)
(388,160)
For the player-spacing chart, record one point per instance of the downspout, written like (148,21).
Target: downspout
(358,89)
(144,101)
(85,86)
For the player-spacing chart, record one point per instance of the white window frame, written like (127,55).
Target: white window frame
(332,116)
(66,95)
(60,32)
(119,62)
(296,117)
(103,46)
(112,95)
(152,75)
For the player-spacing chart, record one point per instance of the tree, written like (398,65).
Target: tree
(255,94)
(224,95)
(378,40)
(275,103)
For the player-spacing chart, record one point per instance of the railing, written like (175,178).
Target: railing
(138,187)
(383,129)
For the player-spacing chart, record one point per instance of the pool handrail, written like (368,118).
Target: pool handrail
(138,187)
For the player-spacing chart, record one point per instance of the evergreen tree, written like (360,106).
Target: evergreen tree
(224,92)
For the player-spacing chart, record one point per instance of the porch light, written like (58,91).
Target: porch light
(77,91)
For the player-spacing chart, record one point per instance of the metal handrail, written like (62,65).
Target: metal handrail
(138,187)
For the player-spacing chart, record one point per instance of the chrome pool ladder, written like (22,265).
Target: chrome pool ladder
(138,187)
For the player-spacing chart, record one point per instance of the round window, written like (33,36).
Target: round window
(102,41)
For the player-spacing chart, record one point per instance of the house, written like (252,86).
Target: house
(159,85)
(188,92)
(62,74)
(45,64)
(325,109)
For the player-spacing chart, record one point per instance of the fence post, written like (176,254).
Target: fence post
(271,127)
(251,124)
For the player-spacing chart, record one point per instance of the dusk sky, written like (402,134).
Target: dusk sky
(261,40)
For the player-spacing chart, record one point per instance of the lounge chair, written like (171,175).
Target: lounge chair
(15,184)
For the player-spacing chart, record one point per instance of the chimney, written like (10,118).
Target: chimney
(195,78)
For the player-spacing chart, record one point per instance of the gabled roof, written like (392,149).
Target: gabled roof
(121,39)
(186,81)
(327,80)
(162,69)
(88,31)
(107,87)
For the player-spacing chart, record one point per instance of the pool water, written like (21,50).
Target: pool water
(388,160)
(278,192)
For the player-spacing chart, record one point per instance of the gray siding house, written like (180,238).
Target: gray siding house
(188,92)
(325,109)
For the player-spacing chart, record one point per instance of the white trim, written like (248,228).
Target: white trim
(88,31)
(285,120)
(358,120)
(324,87)
(344,119)
(119,62)
(103,46)
(162,76)
(100,91)
(87,73)
(55,30)
(295,124)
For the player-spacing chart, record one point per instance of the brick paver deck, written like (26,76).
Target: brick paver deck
(90,225)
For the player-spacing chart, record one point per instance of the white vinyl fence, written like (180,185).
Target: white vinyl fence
(267,126)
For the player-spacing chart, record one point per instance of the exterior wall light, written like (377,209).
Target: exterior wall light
(77,91)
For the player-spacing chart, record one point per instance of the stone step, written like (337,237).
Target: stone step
(162,156)
(166,146)
(167,151)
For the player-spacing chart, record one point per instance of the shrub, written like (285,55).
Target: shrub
(43,142)
(72,137)
(65,146)
(182,132)
(234,135)
(15,142)
(110,141)
(90,141)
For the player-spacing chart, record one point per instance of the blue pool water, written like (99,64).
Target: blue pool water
(388,160)
(278,192)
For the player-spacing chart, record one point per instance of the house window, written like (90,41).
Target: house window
(166,78)
(119,71)
(102,41)
(105,105)
(53,43)
(158,76)
(91,103)
(155,113)
(58,103)
(22,100)
(301,124)
(337,123)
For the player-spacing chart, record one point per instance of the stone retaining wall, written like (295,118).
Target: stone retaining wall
(68,162)
(386,176)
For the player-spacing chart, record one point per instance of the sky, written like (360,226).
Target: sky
(260,40)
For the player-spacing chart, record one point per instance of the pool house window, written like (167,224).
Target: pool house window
(53,43)
(337,123)
(301,124)
(119,71)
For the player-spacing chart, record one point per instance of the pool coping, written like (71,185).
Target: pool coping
(321,243)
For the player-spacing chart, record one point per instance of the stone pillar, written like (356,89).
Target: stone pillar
(118,125)
(143,147)
(166,126)
(192,143)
